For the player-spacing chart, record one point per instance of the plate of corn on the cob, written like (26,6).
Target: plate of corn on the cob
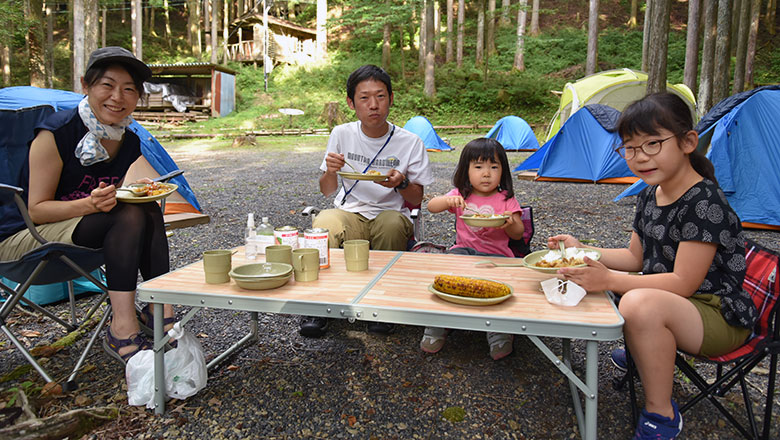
(470,290)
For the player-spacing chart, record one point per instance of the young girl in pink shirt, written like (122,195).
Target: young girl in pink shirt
(483,185)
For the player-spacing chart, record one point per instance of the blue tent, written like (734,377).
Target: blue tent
(582,150)
(514,134)
(422,127)
(741,137)
(20,97)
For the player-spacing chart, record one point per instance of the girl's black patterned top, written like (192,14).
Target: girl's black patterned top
(701,214)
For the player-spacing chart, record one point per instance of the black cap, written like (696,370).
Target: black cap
(115,54)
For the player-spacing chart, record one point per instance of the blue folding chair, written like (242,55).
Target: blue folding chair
(51,262)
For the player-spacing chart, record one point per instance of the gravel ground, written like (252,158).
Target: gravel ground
(351,384)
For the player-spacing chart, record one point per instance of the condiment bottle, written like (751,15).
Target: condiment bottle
(250,245)
(265,235)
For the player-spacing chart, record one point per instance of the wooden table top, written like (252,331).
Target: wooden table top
(405,285)
(400,286)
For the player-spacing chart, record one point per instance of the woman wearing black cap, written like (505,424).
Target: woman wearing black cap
(77,160)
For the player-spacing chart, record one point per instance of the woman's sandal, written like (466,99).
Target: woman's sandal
(112,345)
(146,321)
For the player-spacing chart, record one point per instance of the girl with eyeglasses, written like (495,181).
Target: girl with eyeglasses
(687,246)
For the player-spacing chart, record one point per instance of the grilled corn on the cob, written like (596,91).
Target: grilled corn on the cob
(473,287)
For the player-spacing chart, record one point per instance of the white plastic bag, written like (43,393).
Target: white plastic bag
(139,374)
(562,293)
(185,366)
(185,370)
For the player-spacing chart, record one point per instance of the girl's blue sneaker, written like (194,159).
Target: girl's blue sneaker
(654,426)
(619,360)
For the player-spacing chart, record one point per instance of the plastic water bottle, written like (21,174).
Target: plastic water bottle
(265,235)
(250,238)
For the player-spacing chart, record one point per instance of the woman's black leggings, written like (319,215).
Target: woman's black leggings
(132,237)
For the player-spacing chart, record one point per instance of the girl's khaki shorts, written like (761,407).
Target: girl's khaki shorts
(720,337)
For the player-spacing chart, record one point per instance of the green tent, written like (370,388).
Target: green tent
(616,88)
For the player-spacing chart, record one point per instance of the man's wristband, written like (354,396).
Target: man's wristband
(403,184)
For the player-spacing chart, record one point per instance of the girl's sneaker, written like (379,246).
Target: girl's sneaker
(500,345)
(654,426)
(433,339)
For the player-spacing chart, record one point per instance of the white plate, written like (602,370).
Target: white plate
(467,300)
(533,258)
(128,197)
(484,222)
(361,176)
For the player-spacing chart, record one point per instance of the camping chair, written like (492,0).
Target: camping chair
(761,281)
(49,263)
(417,221)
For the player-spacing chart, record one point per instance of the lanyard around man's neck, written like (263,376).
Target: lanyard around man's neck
(347,191)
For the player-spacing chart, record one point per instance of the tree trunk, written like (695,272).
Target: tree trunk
(401,48)
(480,31)
(322,31)
(450,19)
(519,63)
(658,46)
(79,59)
(123,4)
(755,15)
(736,6)
(535,18)
(461,21)
(33,13)
(491,27)
(424,19)
(704,97)
(6,52)
(430,54)
(386,34)
(692,46)
(136,20)
(771,10)
(103,27)
(742,40)
(167,20)
(49,50)
(225,28)
(150,9)
(593,38)
(720,82)
(646,33)
(504,20)
(193,26)
(436,27)
(91,31)
(214,30)
(632,16)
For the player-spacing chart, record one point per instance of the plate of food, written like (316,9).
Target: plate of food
(145,192)
(372,175)
(469,290)
(484,220)
(549,261)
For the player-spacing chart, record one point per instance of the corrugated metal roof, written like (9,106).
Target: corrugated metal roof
(189,68)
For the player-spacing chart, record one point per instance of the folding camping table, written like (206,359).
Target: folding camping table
(395,289)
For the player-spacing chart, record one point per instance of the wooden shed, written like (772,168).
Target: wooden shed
(289,43)
(204,88)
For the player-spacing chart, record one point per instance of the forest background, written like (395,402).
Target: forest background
(509,56)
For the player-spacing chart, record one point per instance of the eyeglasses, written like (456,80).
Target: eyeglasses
(650,148)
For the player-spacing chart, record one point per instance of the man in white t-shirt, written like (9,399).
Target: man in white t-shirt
(374,211)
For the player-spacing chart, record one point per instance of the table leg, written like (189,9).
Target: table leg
(592,381)
(159,361)
(249,337)
(575,394)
